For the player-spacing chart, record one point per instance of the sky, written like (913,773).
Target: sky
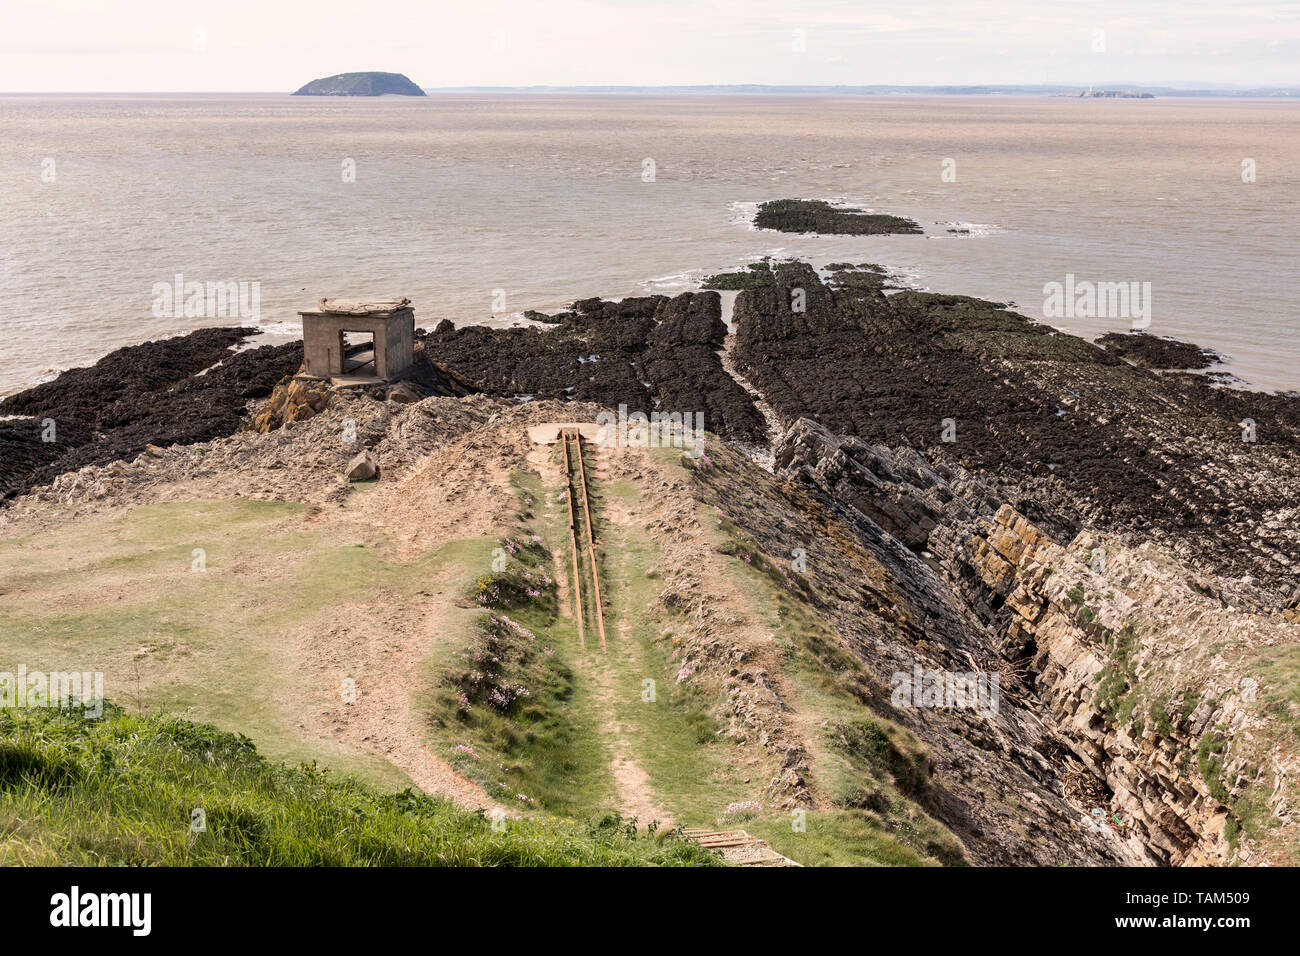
(277,45)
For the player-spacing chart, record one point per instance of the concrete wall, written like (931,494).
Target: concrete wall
(322,337)
(400,342)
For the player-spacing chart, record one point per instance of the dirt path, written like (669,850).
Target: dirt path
(460,491)
(635,793)
(636,796)
(381,650)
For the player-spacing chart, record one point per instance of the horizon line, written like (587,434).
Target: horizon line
(1169,88)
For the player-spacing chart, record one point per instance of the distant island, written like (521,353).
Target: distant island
(361,84)
(1111,95)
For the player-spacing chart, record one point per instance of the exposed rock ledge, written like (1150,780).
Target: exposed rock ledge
(1148,680)
(1160,689)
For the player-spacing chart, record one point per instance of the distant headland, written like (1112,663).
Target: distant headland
(361,84)
(1110,94)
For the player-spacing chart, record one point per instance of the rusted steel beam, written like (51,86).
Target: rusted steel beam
(573,539)
(591,541)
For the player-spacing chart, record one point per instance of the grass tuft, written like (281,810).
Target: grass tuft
(123,791)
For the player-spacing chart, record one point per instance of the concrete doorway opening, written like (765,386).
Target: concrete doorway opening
(358,351)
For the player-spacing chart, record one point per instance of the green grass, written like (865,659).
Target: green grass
(1209,763)
(1118,692)
(123,791)
(678,744)
(118,596)
(891,752)
(842,838)
(1279,686)
(509,697)
(540,748)
(557,744)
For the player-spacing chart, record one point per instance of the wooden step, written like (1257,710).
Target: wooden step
(738,840)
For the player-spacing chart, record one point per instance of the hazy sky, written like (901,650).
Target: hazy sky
(238,45)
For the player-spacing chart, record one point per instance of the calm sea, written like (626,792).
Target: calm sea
(478,207)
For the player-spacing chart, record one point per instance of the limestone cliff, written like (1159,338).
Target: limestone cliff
(1165,697)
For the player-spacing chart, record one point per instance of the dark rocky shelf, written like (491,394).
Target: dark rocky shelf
(1153,351)
(819,216)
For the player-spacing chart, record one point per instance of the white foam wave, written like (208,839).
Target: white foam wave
(973,230)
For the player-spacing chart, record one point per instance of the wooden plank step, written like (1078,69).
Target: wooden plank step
(737,842)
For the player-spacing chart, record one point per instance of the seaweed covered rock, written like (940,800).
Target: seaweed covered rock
(175,391)
(1074,435)
(650,353)
(819,216)
(1152,351)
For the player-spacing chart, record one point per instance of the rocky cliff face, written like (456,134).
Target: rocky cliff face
(1070,434)
(882,610)
(1125,661)
(1151,689)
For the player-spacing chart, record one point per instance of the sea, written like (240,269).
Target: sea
(481,206)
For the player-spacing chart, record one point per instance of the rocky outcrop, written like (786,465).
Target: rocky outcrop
(1137,691)
(1069,433)
(1147,679)
(650,353)
(187,389)
(295,400)
(819,216)
(304,462)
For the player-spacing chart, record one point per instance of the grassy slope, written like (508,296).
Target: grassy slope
(122,791)
(556,748)
(868,772)
(119,596)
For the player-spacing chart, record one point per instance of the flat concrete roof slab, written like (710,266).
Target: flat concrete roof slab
(361,306)
(549,433)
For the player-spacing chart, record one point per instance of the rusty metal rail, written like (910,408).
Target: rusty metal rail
(591,541)
(575,436)
(573,539)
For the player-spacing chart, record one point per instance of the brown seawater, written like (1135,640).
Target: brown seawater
(480,206)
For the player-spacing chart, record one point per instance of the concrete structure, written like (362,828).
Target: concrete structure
(549,433)
(326,353)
